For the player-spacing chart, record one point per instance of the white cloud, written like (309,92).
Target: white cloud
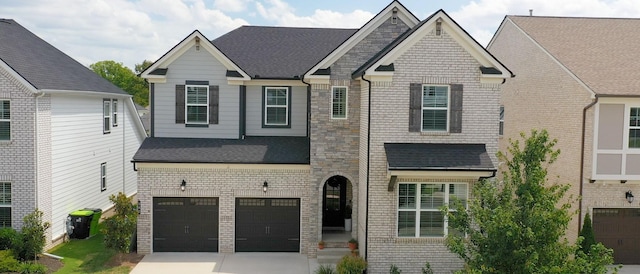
(282,14)
(231,5)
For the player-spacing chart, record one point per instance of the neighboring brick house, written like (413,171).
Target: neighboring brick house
(67,136)
(577,78)
(264,138)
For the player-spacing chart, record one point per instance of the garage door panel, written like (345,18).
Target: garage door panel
(185,224)
(267,225)
(615,228)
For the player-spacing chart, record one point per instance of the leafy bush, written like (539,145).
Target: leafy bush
(119,229)
(32,268)
(325,269)
(587,234)
(394,269)
(32,236)
(8,238)
(7,262)
(427,268)
(351,265)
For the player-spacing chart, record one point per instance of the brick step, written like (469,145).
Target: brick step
(332,255)
(336,244)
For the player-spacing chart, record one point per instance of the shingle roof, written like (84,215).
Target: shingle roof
(279,52)
(418,156)
(251,150)
(43,65)
(602,52)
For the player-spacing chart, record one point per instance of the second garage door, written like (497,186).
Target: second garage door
(185,224)
(616,228)
(267,225)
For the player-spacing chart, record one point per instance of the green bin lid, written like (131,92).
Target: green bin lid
(82,213)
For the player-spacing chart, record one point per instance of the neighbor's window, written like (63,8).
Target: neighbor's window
(197,104)
(339,103)
(106,109)
(5,120)
(435,108)
(419,205)
(501,126)
(634,128)
(5,204)
(103,176)
(114,108)
(276,106)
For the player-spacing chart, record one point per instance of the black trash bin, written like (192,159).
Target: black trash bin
(79,222)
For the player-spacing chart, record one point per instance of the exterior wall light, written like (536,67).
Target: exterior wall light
(265,186)
(629,196)
(183,185)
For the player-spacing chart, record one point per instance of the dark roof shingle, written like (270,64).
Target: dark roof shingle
(251,150)
(419,156)
(43,65)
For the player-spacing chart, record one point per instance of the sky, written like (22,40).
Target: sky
(130,31)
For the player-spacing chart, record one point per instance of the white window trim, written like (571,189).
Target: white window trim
(187,104)
(417,210)
(114,112)
(346,102)
(103,176)
(10,204)
(423,108)
(7,120)
(629,127)
(106,106)
(266,106)
(501,122)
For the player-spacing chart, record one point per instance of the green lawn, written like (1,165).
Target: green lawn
(86,256)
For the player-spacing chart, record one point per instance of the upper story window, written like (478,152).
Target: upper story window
(634,128)
(339,103)
(103,176)
(106,110)
(197,104)
(5,204)
(501,123)
(276,107)
(5,120)
(419,205)
(114,108)
(435,108)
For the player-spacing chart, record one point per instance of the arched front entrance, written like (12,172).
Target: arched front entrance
(334,203)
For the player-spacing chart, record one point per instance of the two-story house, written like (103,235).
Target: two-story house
(67,136)
(266,138)
(577,78)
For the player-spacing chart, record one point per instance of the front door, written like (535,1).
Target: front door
(334,200)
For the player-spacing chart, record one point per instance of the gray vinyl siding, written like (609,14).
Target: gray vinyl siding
(200,66)
(298,113)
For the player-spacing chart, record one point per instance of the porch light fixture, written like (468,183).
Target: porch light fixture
(265,186)
(183,185)
(629,196)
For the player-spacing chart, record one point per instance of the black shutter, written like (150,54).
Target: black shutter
(415,107)
(179,104)
(455,114)
(214,97)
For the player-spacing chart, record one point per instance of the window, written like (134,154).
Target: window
(114,108)
(419,205)
(339,103)
(5,204)
(106,109)
(276,106)
(197,104)
(634,128)
(501,125)
(103,176)
(435,108)
(5,120)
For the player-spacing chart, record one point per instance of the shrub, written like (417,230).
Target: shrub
(325,269)
(8,238)
(394,269)
(32,236)
(427,268)
(587,234)
(7,262)
(32,268)
(351,265)
(119,229)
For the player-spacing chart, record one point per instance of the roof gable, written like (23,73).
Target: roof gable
(158,69)
(595,51)
(403,14)
(387,56)
(45,67)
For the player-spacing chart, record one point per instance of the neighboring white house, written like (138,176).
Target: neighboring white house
(67,136)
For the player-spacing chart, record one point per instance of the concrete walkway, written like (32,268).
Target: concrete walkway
(237,263)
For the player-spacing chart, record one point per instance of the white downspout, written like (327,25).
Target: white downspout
(35,145)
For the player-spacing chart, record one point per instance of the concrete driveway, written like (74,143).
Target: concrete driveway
(237,263)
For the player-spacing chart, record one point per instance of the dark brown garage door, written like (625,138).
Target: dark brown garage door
(185,224)
(267,225)
(616,228)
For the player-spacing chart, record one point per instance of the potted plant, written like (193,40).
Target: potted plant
(321,244)
(353,244)
(347,217)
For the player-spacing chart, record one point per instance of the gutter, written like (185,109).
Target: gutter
(584,119)
(366,216)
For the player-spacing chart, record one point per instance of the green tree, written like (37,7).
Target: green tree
(141,67)
(517,225)
(587,235)
(32,236)
(119,229)
(124,78)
